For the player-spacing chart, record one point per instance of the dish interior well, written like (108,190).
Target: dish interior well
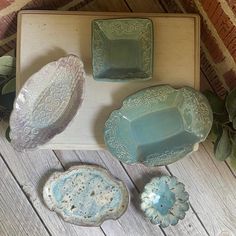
(158,131)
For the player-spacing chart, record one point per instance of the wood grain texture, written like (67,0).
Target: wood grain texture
(210,183)
(132,222)
(141,175)
(144,6)
(211,186)
(31,170)
(17,217)
(208,145)
(105,5)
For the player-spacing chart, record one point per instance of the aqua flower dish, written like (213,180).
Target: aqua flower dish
(122,49)
(164,201)
(86,195)
(158,125)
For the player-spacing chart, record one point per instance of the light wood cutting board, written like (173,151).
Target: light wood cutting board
(44,36)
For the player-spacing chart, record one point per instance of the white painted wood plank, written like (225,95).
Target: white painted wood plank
(132,222)
(31,170)
(209,148)
(211,186)
(17,217)
(141,175)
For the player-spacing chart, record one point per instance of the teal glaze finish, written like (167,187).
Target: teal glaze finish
(164,201)
(158,125)
(165,198)
(86,195)
(122,49)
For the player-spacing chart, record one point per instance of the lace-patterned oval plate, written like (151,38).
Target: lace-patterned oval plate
(158,125)
(86,195)
(47,103)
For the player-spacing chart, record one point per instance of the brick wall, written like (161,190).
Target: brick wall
(218,38)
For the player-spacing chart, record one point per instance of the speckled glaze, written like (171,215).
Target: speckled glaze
(158,125)
(122,49)
(47,103)
(86,195)
(164,201)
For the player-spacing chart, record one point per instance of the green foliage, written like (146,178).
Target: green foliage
(223,132)
(7,134)
(7,87)
(223,146)
(230,104)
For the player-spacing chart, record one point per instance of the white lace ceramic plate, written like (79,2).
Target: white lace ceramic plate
(47,103)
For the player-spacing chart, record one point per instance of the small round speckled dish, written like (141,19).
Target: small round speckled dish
(164,201)
(86,195)
(47,103)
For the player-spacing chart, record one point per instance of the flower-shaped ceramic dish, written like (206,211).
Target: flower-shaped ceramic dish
(164,201)
(47,103)
(122,49)
(158,125)
(86,195)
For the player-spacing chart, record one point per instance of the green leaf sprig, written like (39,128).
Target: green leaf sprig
(223,132)
(7,87)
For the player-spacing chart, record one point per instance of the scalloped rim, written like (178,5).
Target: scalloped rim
(50,204)
(116,111)
(149,72)
(24,87)
(157,179)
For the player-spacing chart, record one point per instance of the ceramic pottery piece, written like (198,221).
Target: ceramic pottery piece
(122,49)
(164,201)
(47,103)
(86,195)
(158,125)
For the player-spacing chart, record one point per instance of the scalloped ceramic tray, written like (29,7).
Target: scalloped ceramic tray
(122,49)
(47,103)
(86,195)
(158,125)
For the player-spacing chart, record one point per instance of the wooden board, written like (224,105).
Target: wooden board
(46,36)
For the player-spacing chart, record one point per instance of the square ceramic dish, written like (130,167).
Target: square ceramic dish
(122,49)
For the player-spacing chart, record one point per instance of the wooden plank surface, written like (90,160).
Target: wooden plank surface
(141,175)
(17,217)
(144,6)
(211,184)
(138,175)
(31,170)
(132,222)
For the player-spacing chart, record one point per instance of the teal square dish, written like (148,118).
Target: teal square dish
(122,49)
